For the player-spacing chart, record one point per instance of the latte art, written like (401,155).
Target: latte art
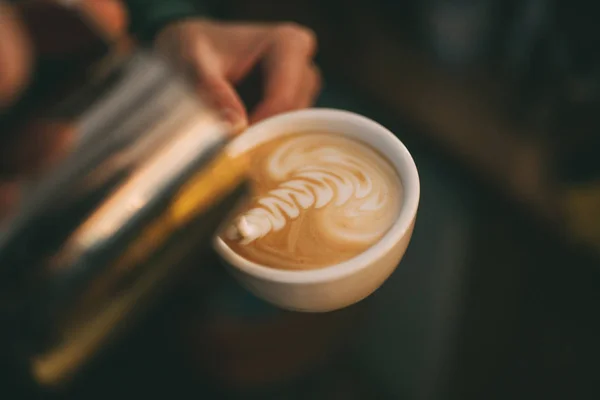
(318,199)
(317,177)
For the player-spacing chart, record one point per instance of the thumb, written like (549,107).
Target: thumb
(15,55)
(214,87)
(223,96)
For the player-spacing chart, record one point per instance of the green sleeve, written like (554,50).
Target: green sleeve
(147,17)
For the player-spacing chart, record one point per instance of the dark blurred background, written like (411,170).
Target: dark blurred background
(497,296)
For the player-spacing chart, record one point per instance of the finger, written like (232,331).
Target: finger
(214,87)
(285,66)
(306,97)
(111,15)
(223,96)
(15,55)
(311,88)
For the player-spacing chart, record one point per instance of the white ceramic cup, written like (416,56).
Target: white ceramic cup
(343,284)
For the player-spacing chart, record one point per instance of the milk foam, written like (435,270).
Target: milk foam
(353,192)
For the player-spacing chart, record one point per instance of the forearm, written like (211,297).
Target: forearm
(147,17)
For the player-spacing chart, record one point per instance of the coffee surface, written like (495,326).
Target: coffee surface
(317,199)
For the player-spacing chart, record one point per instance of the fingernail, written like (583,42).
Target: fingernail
(238,122)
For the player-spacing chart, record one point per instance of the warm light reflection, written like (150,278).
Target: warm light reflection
(86,334)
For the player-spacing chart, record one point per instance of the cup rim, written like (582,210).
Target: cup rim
(398,230)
